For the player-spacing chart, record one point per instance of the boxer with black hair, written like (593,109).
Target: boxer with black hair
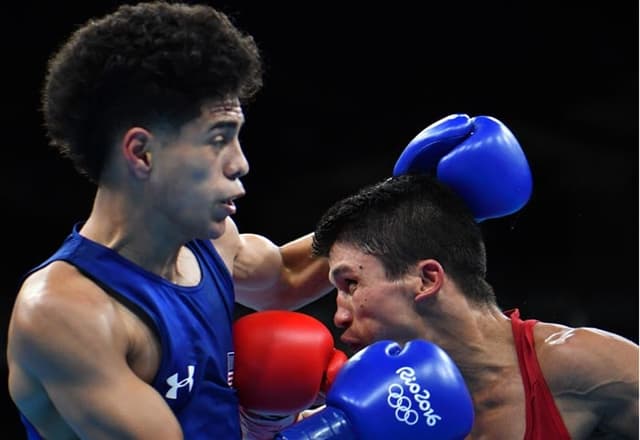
(408,261)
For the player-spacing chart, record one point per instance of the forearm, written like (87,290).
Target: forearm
(306,278)
(263,427)
(285,277)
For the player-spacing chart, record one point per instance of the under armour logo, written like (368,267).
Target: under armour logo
(175,384)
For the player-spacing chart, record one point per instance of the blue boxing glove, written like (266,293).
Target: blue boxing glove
(388,392)
(479,158)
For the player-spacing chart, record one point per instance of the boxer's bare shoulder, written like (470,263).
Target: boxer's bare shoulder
(592,374)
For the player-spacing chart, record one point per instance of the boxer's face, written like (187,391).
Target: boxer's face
(370,307)
(196,173)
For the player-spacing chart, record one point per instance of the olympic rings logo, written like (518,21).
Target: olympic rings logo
(402,403)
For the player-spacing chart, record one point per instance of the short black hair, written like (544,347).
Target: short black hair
(408,218)
(153,62)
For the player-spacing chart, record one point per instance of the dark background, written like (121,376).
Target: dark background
(346,88)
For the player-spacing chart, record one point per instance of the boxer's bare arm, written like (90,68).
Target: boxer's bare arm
(67,338)
(268,276)
(593,375)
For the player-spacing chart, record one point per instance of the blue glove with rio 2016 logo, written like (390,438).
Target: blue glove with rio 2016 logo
(390,392)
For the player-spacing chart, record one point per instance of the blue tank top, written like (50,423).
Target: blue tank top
(193,325)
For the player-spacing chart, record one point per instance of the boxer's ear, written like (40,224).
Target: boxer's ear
(431,279)
(136,151)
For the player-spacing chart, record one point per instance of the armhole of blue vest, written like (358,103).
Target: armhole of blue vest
(135,308)
(208,245)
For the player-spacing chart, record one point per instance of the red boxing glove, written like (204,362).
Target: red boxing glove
(283,361)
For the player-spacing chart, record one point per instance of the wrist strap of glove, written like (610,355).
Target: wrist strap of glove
(258,426)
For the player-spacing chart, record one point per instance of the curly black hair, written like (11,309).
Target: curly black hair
(142,64)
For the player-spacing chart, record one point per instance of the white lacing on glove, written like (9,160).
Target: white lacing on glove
(256,426)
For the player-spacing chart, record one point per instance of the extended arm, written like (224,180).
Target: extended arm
(268,276)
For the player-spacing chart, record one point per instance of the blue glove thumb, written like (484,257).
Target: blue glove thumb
(479,158)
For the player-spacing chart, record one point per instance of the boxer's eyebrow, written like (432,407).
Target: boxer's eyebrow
(225,124)
(338,271)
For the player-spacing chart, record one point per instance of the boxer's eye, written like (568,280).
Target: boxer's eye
(350,285)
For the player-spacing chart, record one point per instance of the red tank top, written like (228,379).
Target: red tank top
(543,418)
